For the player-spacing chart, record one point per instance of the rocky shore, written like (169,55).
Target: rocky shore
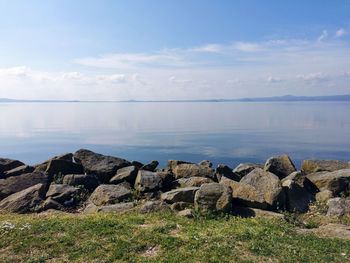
(88,182)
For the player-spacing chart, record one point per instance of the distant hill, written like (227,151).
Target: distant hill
(286,98)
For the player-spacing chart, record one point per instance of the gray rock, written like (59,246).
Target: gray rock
(151,166)
(62,192)
(43,166)
(173,163)
(338,207)
(314,166)
(300,192)
(103,166)
(329,230)
(50,204)
(259,189)
(8,164)
(63,167)
(88,181)
(247,212)
(152,206)
(127,174)
(213,197)
(115,208)
(193,181)
(16,184)
(167,178)
(324,196)
(24,201)
(110,194)
(338,182)
(225,171)
(281,166)
(148,181)
(180,195)
(178,206)
(245,168)
(137,164)
(23,169)
(186,213)
(193,170)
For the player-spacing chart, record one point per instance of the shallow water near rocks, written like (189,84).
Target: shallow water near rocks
(227,133)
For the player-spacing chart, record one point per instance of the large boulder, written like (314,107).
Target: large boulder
(23,169)
(88,181)
(173,163)
(259,189)
(106,194)
(63,167)
(338,207)
(114,208)
(151,166)
(127,174)
(192,181)
(180,195)
(147,181)
(43,166)
(193,170)
(338,182)
(62,192)
(103,166)
(281,166)
(24,201)
(8,164)
(245,168)
(213,197)
(16,184)
(314,166)
(300,192)
(225,171)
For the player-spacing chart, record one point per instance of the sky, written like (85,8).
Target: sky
(165,50)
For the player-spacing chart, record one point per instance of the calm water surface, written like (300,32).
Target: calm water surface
(221,132)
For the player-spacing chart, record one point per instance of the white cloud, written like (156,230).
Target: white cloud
(247,46)
(340,32)
(319,76)
(274,80)
(175,80)
(118,78)
(209,48)
(323,36)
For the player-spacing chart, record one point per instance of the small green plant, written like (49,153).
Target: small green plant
(58,178)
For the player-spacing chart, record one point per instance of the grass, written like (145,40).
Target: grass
(160,237)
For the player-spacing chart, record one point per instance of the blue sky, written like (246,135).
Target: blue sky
(183,49)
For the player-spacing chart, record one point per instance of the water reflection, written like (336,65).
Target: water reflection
(221,132)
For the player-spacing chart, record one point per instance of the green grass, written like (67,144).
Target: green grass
(160,237)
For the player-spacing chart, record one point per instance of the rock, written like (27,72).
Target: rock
(8,164)
(110,194)
(247,212)
(24,201)
(213,197)
(103,166)
(300,192)
(63,167)
(178,206)
(338,207)
(281,166)
(193,181)
(50,204)
(62,192)
(23,169)
(193,170)
(329,230)
(151,166)
(245,168)
(259,189)
(314,166)
(173,163)
(148,181)
(127,174)
(16,184)
(153,206)
(206,163)
(115,208)
(338,182)
(186,213)
(88,181)
(324,196)
(167,178)
(137,164)
(225,171)
(180,195)
(43,166)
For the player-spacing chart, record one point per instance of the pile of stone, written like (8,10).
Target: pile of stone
(90,182)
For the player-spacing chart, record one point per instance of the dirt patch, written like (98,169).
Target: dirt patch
(151,252)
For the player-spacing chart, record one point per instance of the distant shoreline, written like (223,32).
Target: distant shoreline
(286,98)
